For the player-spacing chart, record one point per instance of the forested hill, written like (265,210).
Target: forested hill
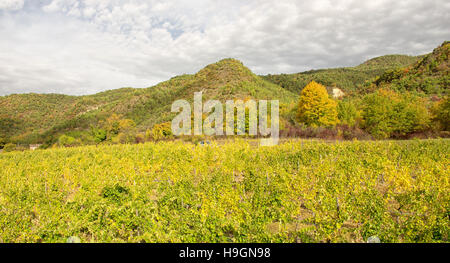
(32,118)
(429,75)
(348,79)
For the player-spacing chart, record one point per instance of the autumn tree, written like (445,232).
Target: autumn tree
(441,112)
(118,130)
(112,124)
(161,131)
(315,107)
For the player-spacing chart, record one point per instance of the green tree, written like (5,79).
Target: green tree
(348,113)
(387,113)
(315,108)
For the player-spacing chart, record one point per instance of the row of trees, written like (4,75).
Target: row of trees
(383,113)
(115,130)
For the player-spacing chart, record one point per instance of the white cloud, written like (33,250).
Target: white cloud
(12,5)
(80,47)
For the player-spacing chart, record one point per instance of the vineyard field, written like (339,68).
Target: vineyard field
(299,191)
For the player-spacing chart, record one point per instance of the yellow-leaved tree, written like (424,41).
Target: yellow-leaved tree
(315,107)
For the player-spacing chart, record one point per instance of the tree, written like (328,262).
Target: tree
(112,125)
(387,113)
(315,108)
(126,124)
(115,126)
(348,113)
(162,131)
(441,113)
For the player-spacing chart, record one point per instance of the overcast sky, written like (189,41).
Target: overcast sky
(83,47)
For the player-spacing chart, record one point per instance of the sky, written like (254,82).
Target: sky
(87,46)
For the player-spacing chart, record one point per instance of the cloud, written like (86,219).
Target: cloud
(83,47)
(11,5)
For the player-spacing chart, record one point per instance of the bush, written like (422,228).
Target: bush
(99,135)
(124,137)
(68,141)
(315,107)
(9,147)
(341,131)
(2,143)
(140,138)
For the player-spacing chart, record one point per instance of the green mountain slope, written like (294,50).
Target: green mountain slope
(348,79)
(429,75)
(32,118)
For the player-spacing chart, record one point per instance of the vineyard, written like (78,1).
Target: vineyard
(299,191)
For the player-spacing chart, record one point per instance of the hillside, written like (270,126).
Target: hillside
(32,118)
(388,62)
(37,118)
(347,79)
(429,75)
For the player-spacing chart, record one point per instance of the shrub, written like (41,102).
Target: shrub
(2,143)
(315,107)
(124,137)
(340,131)
(140,138)
(68,141)
(9,147)
(115,193)
(99,135)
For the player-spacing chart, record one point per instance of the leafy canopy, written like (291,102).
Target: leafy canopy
(315,107)
(442,114)
(387,113)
